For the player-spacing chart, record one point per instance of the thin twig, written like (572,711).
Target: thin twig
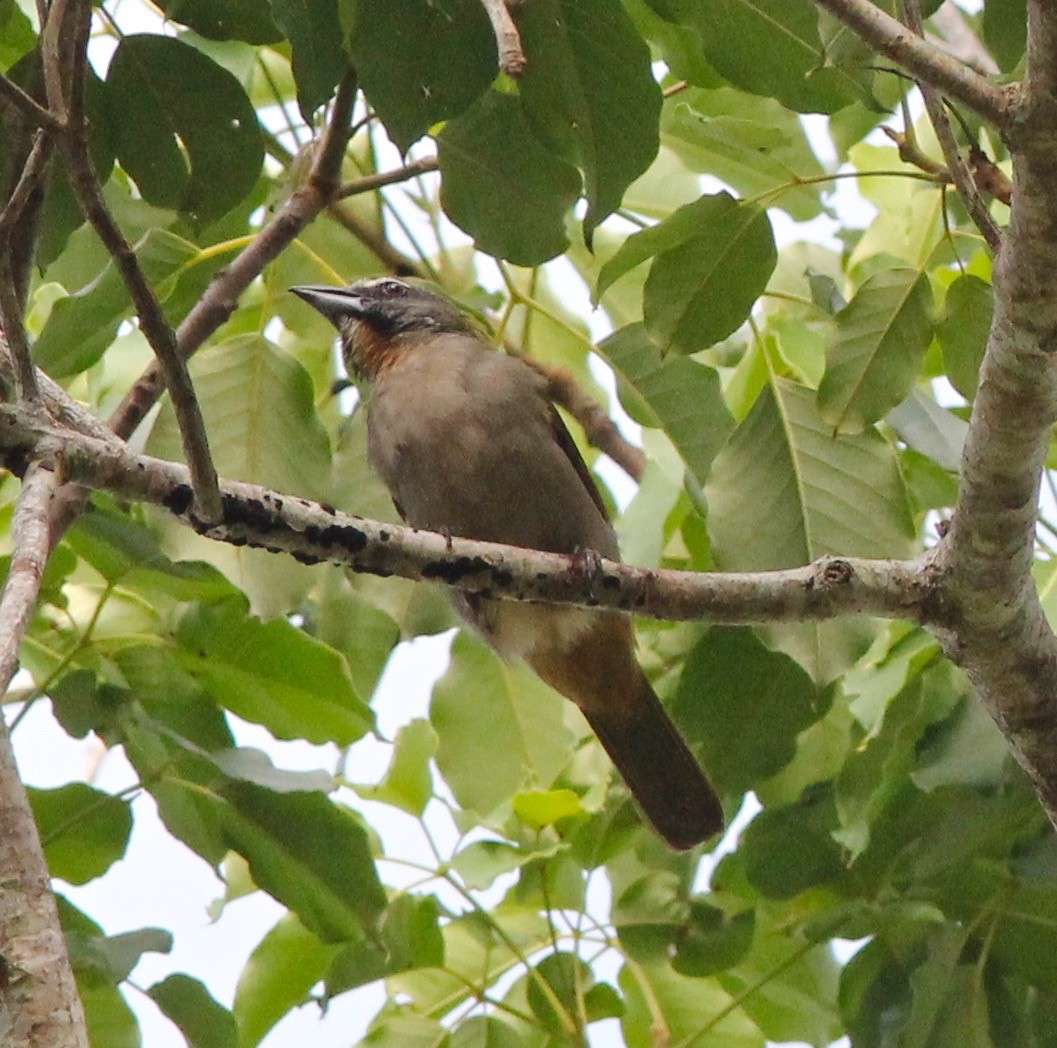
(369,183)
(28,105)
(222,295)
(960,173)
(10,306)
(926,61)
(156,329)
(512,59)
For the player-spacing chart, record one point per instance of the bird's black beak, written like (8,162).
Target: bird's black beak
(335,303)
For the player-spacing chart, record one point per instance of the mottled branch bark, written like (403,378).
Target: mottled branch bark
(309,532)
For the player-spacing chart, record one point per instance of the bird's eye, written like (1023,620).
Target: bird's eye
(391,288)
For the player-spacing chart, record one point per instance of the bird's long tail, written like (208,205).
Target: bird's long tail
(659,769)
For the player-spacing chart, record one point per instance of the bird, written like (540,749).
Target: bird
(469,444)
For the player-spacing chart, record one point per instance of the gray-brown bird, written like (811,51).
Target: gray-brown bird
(469,444)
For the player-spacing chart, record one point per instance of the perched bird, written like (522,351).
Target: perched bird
(469,444)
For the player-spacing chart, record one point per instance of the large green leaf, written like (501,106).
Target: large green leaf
(743,707)
(692,1010)
(785,491)
(483,706)
(188,134)
(964,329)
(713,260)
(225,19)
(589,93)
(876,350)
(83,325)
(407,783)
(84,830)
(753,144)
(501,186)
(420,61)
(771,47)
(203,1022)
(272,673)
(310,854)
(278,976)
(672,393)
(318,60)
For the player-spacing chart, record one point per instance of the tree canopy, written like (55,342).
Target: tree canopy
(832,531)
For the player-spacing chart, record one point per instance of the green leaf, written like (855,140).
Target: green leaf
(772,47)
(539,808)
(188,135)
(420,61)
(791,995)
(481,862)
(752,144)
(713,941)
(568,978)
(108,1017)
(930,430)
(407,783)
(589,94)
(272,673)
(485,1031)
(310,854)
(82,326)
(501,186)
(255,766)
(84,830)
(703,289)
(314,32)
(876,350)
(964,329)
(203,1022)
(483,706)
(674,394)
(785,491)
(16,34)
(789,850)
(743,707)
(411,933)
(687,1007)
(278,976)
(113,958)
(259,407)
(225,19)
(1003,31)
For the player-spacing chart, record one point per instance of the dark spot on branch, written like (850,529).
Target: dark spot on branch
(836,573)
(454,571)
(305,558)
(502,577)
(179,500)
(611,582)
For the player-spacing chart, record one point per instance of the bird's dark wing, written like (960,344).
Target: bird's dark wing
(563,438)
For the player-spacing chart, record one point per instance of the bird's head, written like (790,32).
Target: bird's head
(379,318)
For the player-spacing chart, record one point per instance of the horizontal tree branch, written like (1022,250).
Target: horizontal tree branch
(312,533)
(924,60)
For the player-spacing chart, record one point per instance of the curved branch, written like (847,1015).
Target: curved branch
(311,533)
(926,61)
